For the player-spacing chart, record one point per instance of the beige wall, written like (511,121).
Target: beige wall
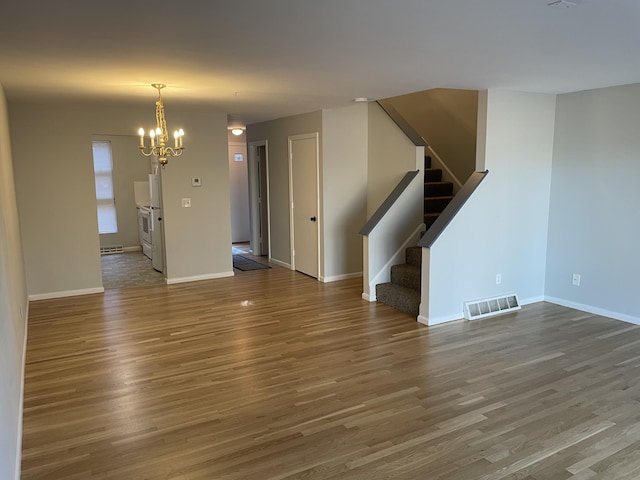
(344,167)
(13,310)
(127,168)
(56,192)
(446,119)
(277,133)
(391,156)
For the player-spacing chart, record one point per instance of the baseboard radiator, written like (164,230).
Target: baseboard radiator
(111,249)
(488,307)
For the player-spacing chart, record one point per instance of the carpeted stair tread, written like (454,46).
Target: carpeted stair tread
(433,175)
(430,218)
(413,256)
(438,189)
(436,204)
(401,298)
(406,275)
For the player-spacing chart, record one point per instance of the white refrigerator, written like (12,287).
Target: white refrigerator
(157,233)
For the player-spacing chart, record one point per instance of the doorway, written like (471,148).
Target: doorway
(259,198)
(303,194)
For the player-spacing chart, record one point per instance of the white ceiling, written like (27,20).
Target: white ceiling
(263,59)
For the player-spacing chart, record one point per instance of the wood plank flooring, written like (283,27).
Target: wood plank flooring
(271,375)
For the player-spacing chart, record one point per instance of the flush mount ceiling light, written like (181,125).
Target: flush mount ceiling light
(361,99)
(160,136)
(237,131)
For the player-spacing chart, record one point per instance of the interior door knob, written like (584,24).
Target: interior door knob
(313,219)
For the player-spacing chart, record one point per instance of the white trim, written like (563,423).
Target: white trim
(18,463)
(280,263)
(196,278)
(369,298)
(530,300)
(594,310)
(430,321)
(290,139)
(136,248)
(65,293)
(344,276)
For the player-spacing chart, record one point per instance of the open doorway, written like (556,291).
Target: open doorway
(259,198)
(122,198)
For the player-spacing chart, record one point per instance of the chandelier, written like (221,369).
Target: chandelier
(159,137)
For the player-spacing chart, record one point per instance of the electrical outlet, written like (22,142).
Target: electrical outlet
(186,202)
(498,278)
(575,280)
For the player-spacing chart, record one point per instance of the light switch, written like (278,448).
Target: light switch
(186,203)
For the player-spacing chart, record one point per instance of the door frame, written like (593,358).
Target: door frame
(254,209)
(290,139)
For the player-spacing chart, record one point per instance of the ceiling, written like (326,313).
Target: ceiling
(262,59)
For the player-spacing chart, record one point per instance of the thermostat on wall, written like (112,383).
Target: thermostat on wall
(238,157)
(196,182)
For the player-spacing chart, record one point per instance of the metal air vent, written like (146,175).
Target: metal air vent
(491,306)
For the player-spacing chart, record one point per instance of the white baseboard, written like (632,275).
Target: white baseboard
(369,298)
(196,278)
(66,293)
(431,321)
(136,248)
(336,278)
(530,300)
(595,310)
(280,263)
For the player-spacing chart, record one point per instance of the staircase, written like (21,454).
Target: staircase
(403,292)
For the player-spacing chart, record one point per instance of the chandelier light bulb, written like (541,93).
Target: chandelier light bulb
(159,135)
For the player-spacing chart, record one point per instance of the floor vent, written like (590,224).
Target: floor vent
(491,306)
(112,249)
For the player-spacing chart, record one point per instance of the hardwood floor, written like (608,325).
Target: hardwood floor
(271,375)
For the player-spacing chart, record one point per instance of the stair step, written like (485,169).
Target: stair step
(430,218)
(427,161)
(436,204)
(438,189)
(413,256)
(406,275)
(401,298)
(433,175)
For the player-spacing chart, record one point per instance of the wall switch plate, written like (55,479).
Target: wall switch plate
(186,203)
(575,280)
(498,278)
(196,182)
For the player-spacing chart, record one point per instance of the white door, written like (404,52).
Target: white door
(303,188)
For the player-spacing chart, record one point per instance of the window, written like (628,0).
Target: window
(103,169)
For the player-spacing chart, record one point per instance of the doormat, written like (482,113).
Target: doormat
(246,264)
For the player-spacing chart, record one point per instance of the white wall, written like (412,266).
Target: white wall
(391,156)
(503,228)
(127,168)
(344,179)
(56,193)
(277,132)
(239,186)
(13,311)
(594,223)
